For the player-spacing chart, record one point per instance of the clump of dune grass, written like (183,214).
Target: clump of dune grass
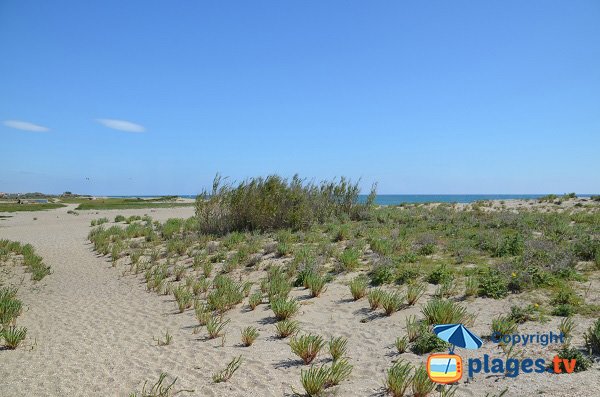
(286,328)
(349,259)
(566,327)
(427,341)
(307,347)
(10,306)
(401,344)
(184,298)
(414,291)
(215,326)
(421,384)
(254,300)
(166,341)
(471,286)
(202,312)
(375,297)
(592,338)
(391,302)
(340,370)
(358,287)
(398,378)
(160,388)
(316,284)
(314,379)
(412,328)
(292,204)
(249,335)
(227,373)
(13,336)
(503,325)
(338,347)
(284,308)
(440,311)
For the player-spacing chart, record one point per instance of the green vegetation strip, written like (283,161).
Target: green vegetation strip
(121,204)
(13,207)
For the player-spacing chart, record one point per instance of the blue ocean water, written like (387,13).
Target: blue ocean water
(396,199)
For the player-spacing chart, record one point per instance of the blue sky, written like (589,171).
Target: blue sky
(155,97)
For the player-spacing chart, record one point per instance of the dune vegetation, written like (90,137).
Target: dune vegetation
(296,235)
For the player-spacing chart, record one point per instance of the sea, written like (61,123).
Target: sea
(397,199)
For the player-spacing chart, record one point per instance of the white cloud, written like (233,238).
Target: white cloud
(25,126)
(121,125)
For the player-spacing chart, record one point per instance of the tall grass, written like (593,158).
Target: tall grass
(273,203)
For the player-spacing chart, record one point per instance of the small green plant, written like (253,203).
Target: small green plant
(160,388)
(440,311)
(226,374)
(349,259)
(503,325)
(401,344)
(202,312)
(440,274)
(340,370)
(13,336)
(427,342)
(358,287)
(398,378)
(316,284)
(314,379)
(215,326)
(582,363)
(413,292)
(338,347)
(375,297)
(165,342)
(391,302)
(566,327)
(493,284)
(254,300)
(471,286)
(207,267)
(249,335)
(307,347)
(284,308)
(592,338)
(412,328)
(421,384)
(184,298)
(286,328)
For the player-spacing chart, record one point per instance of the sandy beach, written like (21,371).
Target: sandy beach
(92,329)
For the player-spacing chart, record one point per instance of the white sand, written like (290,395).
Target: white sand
(93,331)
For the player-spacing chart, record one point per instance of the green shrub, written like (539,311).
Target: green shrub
(413,292)
(493,284)
(274,203)
(316,284)
(255,300)
(340,370)
(503,325)
(184,298)
(582,363)
(427,342)
(440,274)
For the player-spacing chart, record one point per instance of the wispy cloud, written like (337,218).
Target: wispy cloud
(25,126)
(121,125)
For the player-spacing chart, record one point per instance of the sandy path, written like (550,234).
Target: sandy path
(93,330)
